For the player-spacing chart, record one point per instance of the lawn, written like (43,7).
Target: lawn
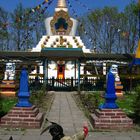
(93,99)
(90,100)
(126,104)
(6,104)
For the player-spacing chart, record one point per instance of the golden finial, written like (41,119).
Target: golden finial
(61,4)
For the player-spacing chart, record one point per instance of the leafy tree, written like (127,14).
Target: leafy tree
(131,27)
(21,27)
(112,31)
(101,26)
(4,33)
(39,29)
(28,30)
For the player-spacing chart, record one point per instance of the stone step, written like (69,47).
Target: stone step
(24,108)
(39,117)
(23,112)
(110,113)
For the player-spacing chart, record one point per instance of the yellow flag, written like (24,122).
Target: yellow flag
(138,50)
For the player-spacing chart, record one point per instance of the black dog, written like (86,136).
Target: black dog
(11,138)
(55,130)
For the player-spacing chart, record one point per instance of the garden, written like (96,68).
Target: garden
(129,103)
(88,100)
(38,97)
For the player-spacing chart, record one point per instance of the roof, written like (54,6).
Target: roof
(118,57)
(62,53)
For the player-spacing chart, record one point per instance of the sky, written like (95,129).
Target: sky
(10,5)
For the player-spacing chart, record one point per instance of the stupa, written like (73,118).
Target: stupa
(61,35)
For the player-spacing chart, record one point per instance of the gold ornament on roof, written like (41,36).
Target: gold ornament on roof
(61,41)
(61,30)
(61,4)
(42,46)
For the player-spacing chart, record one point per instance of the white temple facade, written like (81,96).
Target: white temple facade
(61,33)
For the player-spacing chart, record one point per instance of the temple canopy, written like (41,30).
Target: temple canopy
(32,56)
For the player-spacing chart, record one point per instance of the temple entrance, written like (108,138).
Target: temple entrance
(61,71)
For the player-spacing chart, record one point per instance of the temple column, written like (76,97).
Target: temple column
(78,76)
(37,70)
(75,69)
(45,71)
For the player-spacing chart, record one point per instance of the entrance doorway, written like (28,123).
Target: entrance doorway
(61,71)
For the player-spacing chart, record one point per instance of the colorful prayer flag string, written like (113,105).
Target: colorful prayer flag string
(81,25)
(35,22)
(33,10)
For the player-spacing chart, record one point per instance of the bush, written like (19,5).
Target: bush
(136,105)
(92,100)
(1,111)
(37,97)
(6,104)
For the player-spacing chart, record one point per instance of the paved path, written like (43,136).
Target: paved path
(65,112)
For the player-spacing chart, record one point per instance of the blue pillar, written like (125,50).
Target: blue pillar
(78,76)
(110,95)
(23,94)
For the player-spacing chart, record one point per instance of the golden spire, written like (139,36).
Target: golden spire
(61,4)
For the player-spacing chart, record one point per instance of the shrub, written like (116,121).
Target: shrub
(136,105)
(37,97)
(1,111)
(92,100)
(6,104)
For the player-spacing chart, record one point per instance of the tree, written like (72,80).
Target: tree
(112,31)
(39,28)
(28,30)
(101,26)
(4,33)
(131,27)
(20,27)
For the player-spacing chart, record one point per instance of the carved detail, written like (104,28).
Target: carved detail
(61,31)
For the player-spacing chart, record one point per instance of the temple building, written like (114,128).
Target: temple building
(61,36)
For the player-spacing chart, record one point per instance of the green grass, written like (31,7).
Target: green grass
(126,103)
(7,104)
